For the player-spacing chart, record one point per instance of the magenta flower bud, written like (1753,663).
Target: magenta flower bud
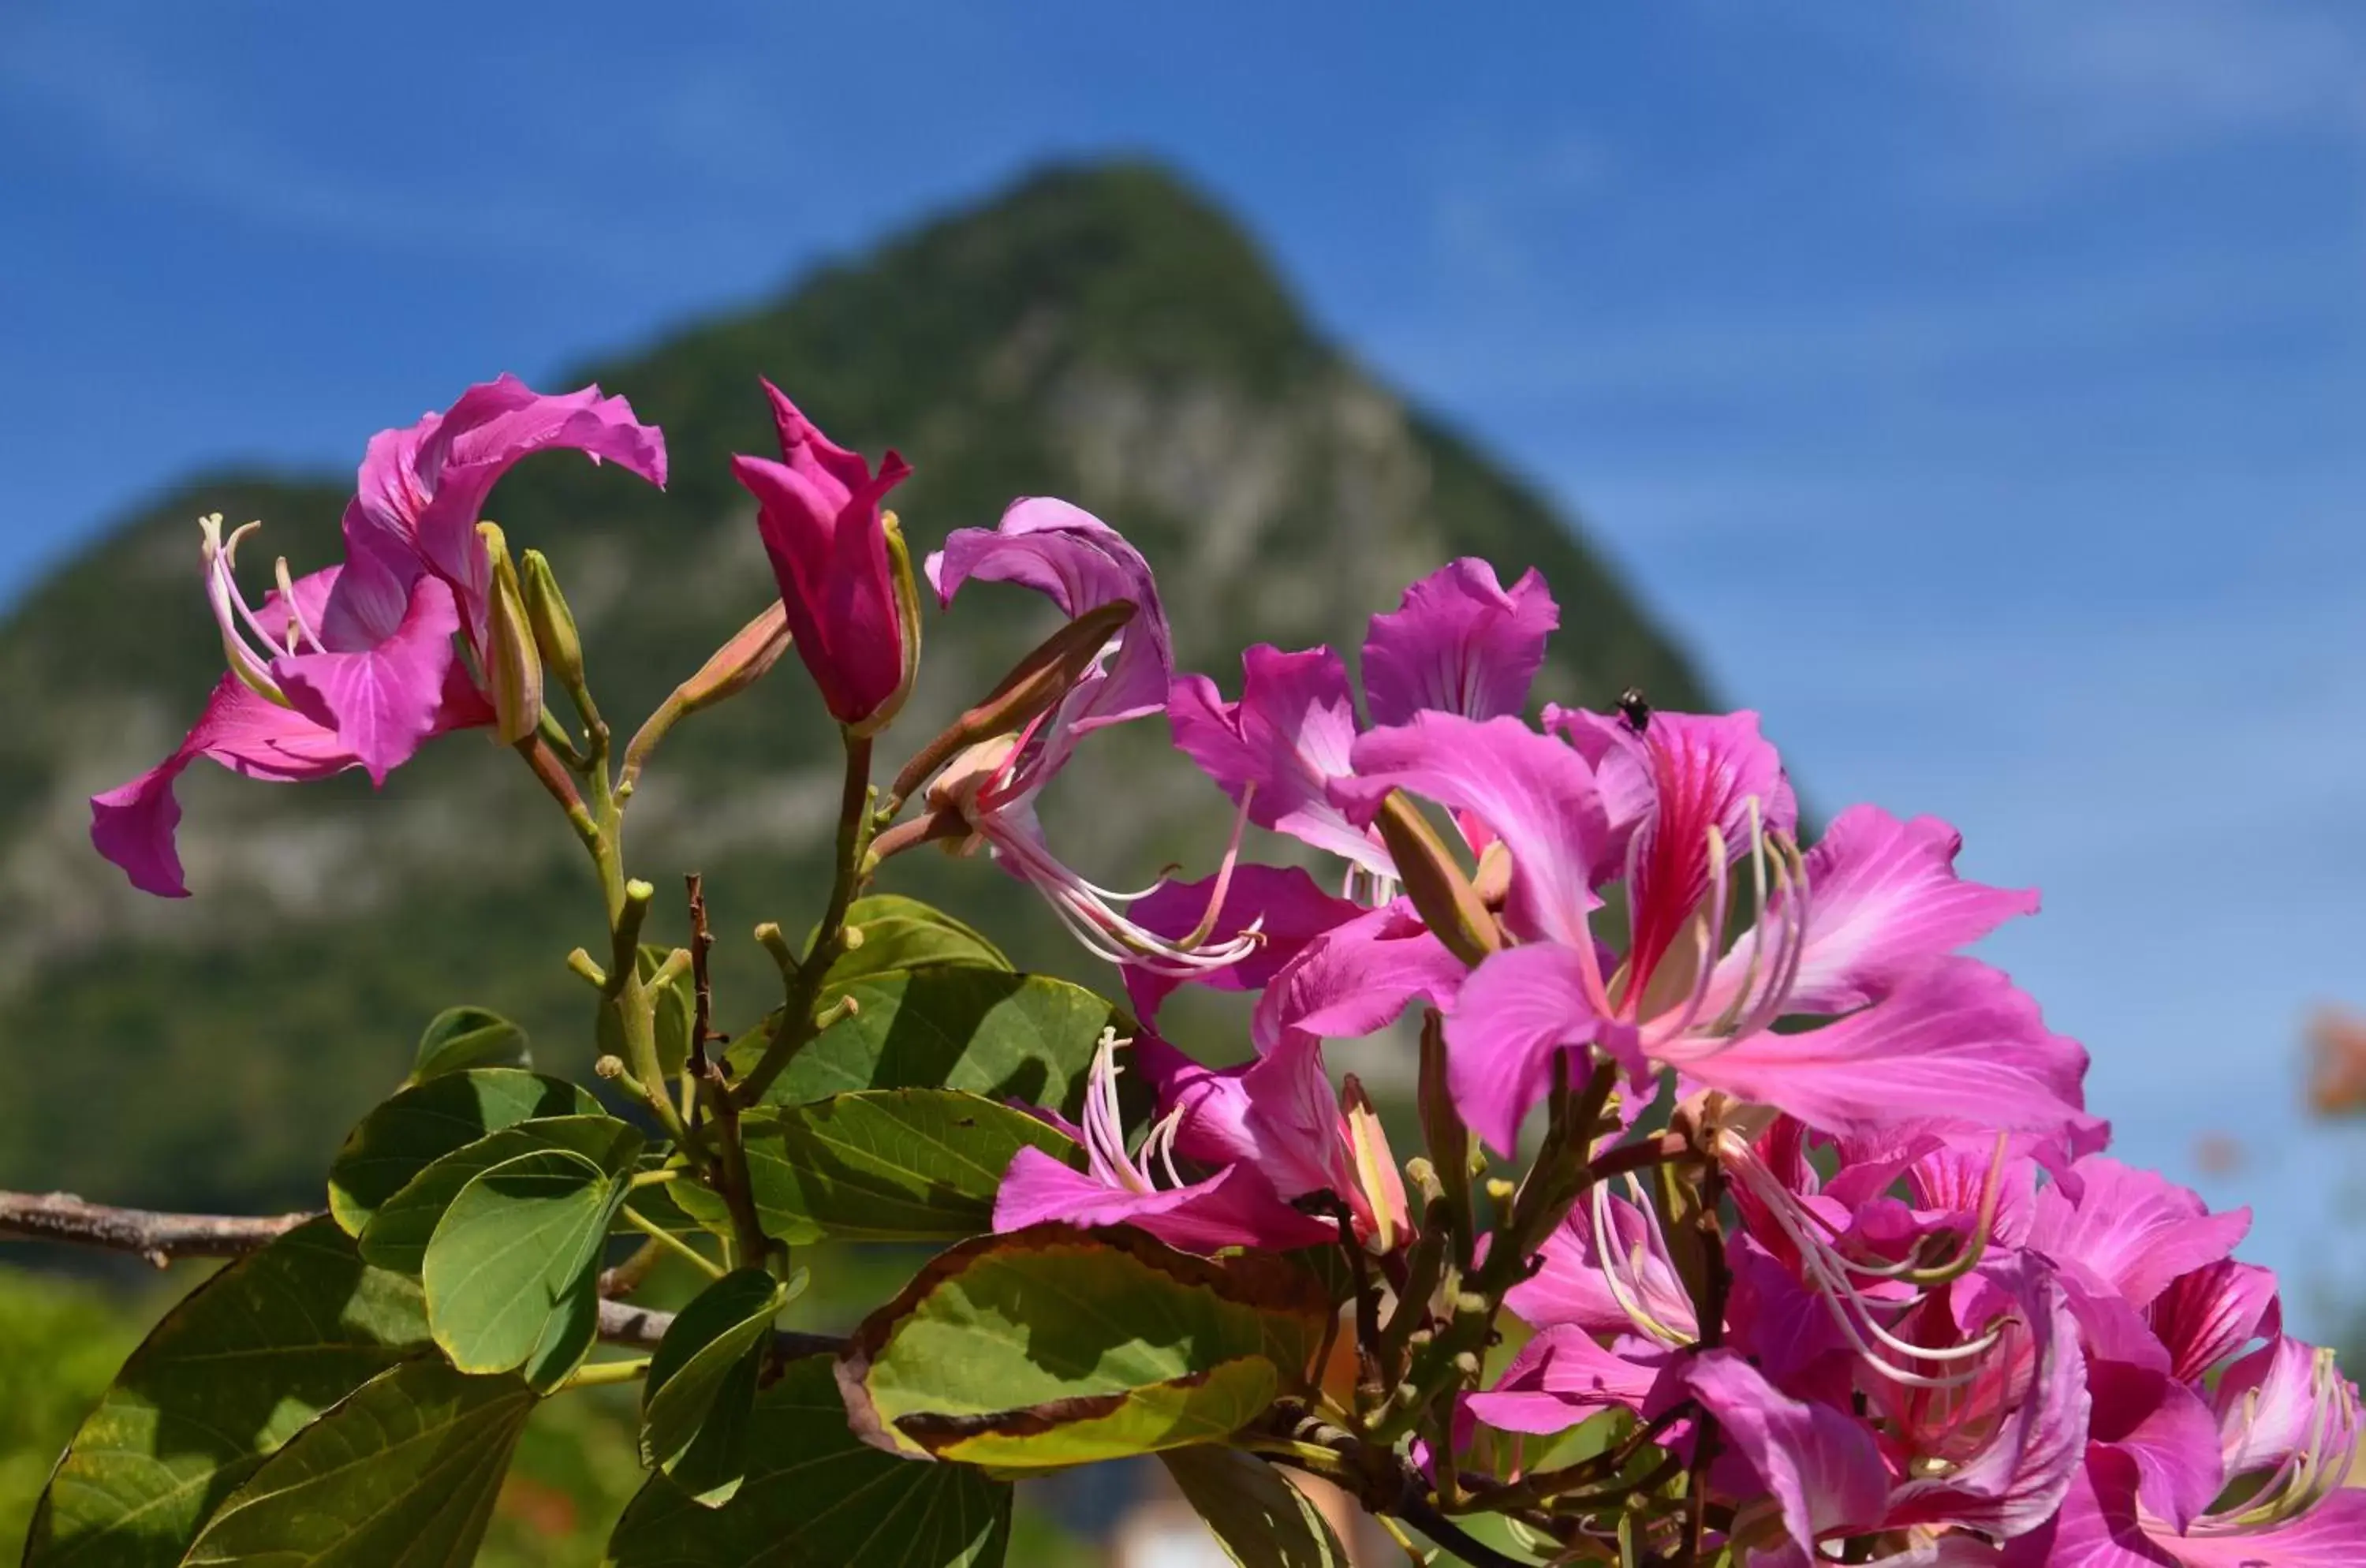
(818,508)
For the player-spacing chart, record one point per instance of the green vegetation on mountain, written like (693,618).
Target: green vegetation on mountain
(1097,334)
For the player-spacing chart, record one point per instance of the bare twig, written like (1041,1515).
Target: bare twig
(623,1324)
(729,1173)
(158,1237)
(161,1237)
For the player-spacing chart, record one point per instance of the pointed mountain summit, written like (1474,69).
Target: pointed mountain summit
(1101,333)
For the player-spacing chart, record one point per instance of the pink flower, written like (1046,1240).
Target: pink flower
(2244,1470)
(818,511)
(355,666)
(1236,1206)
(1280,1115)
(1459,643)
(1681,811)
(1080,563)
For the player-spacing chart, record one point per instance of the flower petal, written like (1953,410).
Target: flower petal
(2131,1229)
(2019,1477)
(134,824)
(1823,1466)
(2208,1313)
(382,701)
(2167,1429)
(1233,1207)
(1287,737)
(1559,1377)
(1568,1287)
(1459,643)
(462,453)
(1282,902)
(1355,978)
(1515,1013)
(1883,898)
(1955,1034)
(1080,563)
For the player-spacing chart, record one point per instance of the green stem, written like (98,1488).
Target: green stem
(1452,1358)
(607,1374)
(673,1243)
(803,981)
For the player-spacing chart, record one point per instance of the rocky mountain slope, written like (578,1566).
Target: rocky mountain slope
(1100,334)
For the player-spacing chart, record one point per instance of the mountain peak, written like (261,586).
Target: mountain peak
(1102,333)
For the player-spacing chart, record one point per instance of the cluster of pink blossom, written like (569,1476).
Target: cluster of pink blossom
(1949,1329)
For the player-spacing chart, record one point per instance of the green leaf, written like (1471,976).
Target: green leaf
(424,1122)
(232,1372)
(1002,1035)
(1053,1346)
(702,1385)
(397,1233)
(1259,1518)
(460,1038)
(403,1474)
(880,1164)
(816,1496)
(512,1270)
(904,933)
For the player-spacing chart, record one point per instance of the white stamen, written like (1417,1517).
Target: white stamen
(1851,1308)
(297,625)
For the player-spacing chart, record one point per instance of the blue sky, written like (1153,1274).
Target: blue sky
(1981,387)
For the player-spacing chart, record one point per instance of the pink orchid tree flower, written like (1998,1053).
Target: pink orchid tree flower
(1864,927)
(1234,1206)
(2243,1467)
(1340,978)
(1081,564)
(356,665)
(818,508)
(1458,642)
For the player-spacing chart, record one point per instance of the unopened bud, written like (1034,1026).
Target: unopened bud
(553,624)
(1376,1170)
(1444,898)
(738,664)
(512,665)
(609,1067)
(1037,682)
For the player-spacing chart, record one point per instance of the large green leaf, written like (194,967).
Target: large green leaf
(1053,1346)
(512,1271)
(397,1233)
(816,1496)
(231,1373)
(1259,1518)
(428,1121)
(460,1038)
(1002,1035)
(702,1385)
(904,933)
(403,1474)
(880,1164)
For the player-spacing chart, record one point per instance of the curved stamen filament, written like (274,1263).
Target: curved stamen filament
(1852,1310)
(300,631)
(2312,1472)
(1207,926)
(1092,916)
(1610,1260)
(232,611)
(1974,1247)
